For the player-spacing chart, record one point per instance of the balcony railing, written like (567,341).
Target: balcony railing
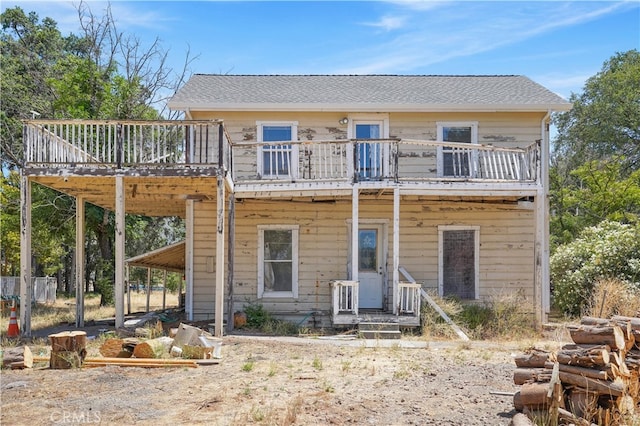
(93,143)
(379,160)
(121,144)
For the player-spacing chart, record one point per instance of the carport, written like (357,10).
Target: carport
(167,259)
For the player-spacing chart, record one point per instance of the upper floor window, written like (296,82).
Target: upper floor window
(458,161)
(277,160)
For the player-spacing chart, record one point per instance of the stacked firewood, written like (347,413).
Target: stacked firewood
(594,380)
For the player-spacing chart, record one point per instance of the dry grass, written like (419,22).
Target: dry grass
(614,297)
(64,309)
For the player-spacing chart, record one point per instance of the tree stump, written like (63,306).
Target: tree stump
(68,349)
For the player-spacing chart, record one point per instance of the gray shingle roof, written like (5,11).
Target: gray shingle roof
(364,93)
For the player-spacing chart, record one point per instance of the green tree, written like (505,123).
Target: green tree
(100,73)
(605,119)
(596,155)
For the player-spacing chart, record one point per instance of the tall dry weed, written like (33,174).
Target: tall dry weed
(612,296)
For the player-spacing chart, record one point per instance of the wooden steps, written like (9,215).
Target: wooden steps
(379,330)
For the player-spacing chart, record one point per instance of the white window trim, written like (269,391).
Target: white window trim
(294,261)
(440,136)
(476,255)
(293,167)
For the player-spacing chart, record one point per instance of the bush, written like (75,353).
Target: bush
(260,319)
(502,316)
(608,250)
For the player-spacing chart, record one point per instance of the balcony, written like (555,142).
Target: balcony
(203,148)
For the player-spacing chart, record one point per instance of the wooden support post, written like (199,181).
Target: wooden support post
(128,287)
(230,258)
(119,251)
(396,247)
(354,233)
(219,308)
(25,256)
(188,259)
(148,287)
(164,290)
(542,218)
(79,262)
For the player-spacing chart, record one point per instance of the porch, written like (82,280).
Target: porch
(345,310)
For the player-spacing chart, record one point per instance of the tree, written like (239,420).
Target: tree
(596,156)
(100,73)
(605,119)
(598,190)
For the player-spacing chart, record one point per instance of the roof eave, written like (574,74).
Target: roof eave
(312,107)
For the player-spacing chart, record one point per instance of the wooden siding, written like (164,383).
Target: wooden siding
(506,130)
(506,246)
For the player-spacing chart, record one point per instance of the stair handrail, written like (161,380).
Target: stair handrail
(435,306)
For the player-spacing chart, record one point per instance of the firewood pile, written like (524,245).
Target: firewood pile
(595,380)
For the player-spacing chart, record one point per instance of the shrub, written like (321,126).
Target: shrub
(608,250)
(261,319)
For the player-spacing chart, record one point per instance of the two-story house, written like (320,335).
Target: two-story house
(326,198)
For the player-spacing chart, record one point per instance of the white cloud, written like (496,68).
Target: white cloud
(388,23)
(463,29)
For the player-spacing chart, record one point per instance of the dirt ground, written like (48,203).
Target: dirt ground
(281,381)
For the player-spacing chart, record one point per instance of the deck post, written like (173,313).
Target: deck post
(148,288)
(396,247)
(80,256)
(188,258)
(119,251)
(219,308)
(354,233)
(25,256)
(230,260)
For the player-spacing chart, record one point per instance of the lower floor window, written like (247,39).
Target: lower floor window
(278,261)
(458,254)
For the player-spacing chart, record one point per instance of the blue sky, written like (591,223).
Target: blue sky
(558,44)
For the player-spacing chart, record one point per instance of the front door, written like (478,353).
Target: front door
(370,266)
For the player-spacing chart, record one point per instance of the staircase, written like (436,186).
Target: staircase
(379,330)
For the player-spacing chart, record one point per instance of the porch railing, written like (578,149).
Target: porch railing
(125,143)
(409,298)
(345,297)
(385,159)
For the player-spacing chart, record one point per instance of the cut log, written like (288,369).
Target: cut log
(153,348)
(570,418)
(634,321)
(614,388)
(534,358)
(17,358)
(594,321)
(607,373)
(584,355)
(534,395)
(111,347)
(583,403)
(68,349)
(521,419)
(524,375)
(611,335)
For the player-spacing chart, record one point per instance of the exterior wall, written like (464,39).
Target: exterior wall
(506,247)
(508,130)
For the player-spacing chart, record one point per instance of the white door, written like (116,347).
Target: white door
(370,266)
